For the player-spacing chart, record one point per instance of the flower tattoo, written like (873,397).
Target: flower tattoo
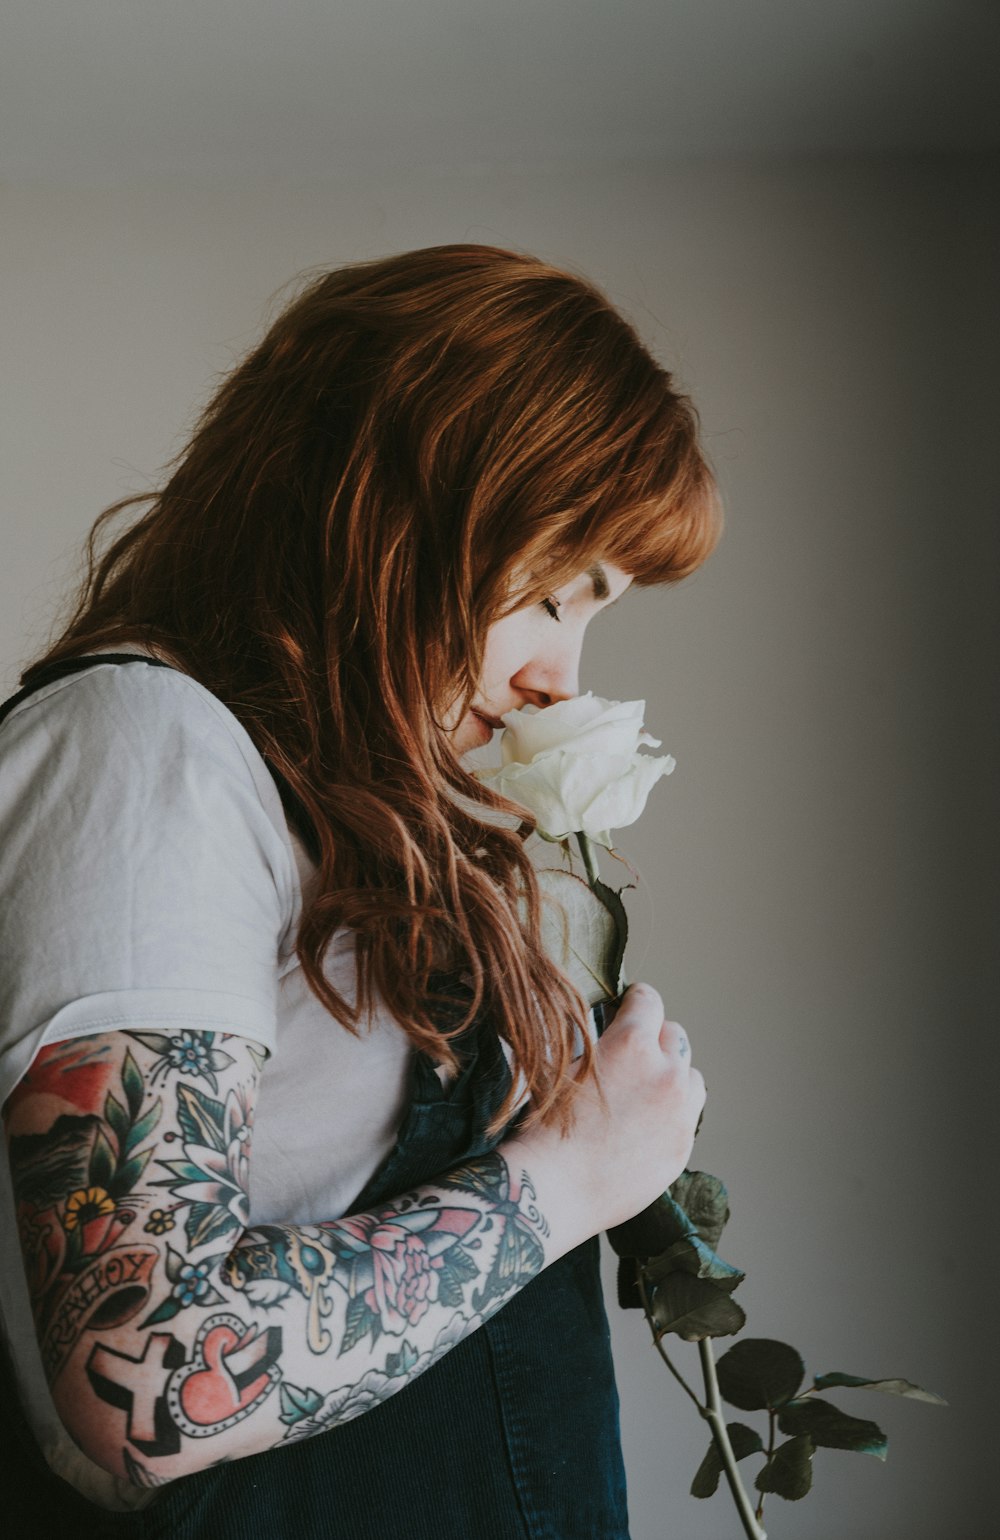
(190,1053)
(213,1178)
(159,1222)
(86,1204)
(193,1283)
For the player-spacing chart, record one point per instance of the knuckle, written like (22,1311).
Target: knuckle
(645,995)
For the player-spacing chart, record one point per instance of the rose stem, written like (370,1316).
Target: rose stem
(714,1415)
(713,1411)
(594,877)
(587,853)
(658,1344)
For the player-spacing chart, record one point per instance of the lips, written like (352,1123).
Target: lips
(493,722)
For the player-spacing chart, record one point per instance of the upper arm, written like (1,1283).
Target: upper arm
(146,893)
(145,873)
(130,1165)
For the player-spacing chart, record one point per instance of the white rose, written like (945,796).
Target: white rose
(576,765)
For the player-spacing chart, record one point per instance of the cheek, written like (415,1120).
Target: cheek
(509,646)
(492,670)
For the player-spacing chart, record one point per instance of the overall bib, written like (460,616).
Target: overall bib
(512,1435)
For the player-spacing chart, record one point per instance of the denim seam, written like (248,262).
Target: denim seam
(535,1526)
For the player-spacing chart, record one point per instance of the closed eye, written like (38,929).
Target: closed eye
(552,607)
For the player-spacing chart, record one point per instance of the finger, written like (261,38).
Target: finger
(643,996)
(674,1039)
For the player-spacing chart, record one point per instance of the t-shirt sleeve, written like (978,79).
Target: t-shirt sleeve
(144,883)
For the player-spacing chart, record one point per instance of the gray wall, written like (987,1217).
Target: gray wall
(813,906)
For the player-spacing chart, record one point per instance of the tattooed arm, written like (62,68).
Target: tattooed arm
(172,1336)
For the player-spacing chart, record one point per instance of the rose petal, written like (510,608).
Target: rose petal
(619,804)
(585,722)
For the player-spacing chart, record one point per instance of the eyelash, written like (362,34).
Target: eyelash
(552,607)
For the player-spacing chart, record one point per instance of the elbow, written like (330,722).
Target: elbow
(88,1427)
(111,1404)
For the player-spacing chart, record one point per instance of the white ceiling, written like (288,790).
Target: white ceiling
(109,89)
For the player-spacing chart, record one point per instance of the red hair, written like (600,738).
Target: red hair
(328,554)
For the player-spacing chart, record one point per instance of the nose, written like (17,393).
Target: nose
(548,679)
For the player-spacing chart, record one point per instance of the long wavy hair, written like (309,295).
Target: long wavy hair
(327,555)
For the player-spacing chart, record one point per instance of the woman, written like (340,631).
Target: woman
(249,883)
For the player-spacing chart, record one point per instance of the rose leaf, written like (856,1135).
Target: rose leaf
(831,1428)
(888,1387)
(744,1441)
(759,1373)
(694,1308)
(788,1472)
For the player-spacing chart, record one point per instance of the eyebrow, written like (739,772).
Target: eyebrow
(598,577)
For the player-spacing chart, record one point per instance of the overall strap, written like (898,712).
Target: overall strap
(49,671)
(294,811)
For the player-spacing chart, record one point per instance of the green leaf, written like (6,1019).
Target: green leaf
(614,962)
(259,1056)
(696,1205)
(401,1362)
(74,1249)
(889,1387)
(172,1263)
(759,1373)
(693,1308)
(132,1084)
(206,1222)
(128,1174)
(116,1116)
(297,1404)
(830,1428)
(744,1441)
(102,1162)
(201,1118)
(359,1320)
(653,1231)
(183,1171)
(582,934)
(164,1312)
(449,1289)
(788,1472)
(144,1127)
(693,1256)
(705,1201)
(460,1264)
(156,1041)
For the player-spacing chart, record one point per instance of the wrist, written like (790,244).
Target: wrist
(550,1167)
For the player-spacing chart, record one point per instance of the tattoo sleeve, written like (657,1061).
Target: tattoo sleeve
(172,1335)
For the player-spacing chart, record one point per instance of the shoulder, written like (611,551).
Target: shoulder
(145,860)
(112,723)
(122,765)
(154,710)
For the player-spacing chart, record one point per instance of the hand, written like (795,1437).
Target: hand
(619,1157)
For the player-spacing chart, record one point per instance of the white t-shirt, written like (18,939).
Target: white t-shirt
(149,879)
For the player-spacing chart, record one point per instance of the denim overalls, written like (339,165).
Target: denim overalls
(512,1435)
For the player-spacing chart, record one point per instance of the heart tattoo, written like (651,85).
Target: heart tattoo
(232,1369)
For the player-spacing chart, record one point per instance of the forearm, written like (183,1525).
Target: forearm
(298,1328)
(172,1335)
